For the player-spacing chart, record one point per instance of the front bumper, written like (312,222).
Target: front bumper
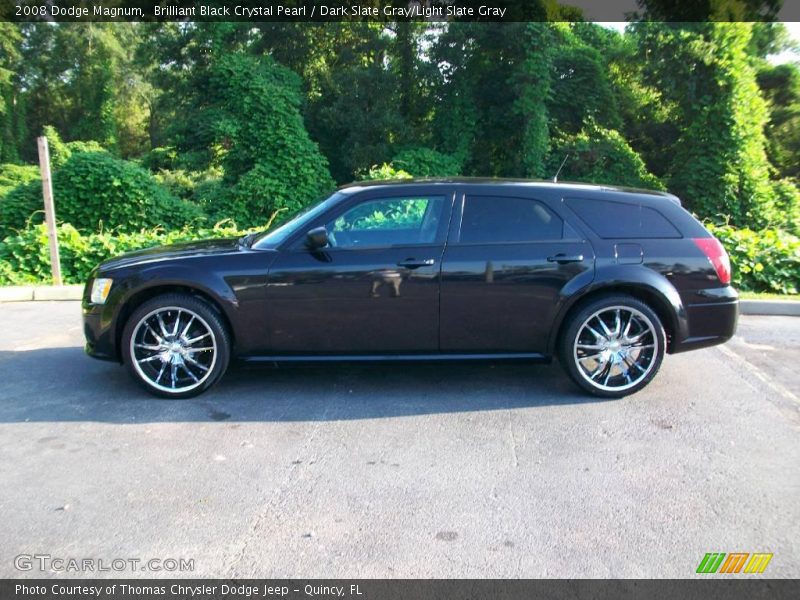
(98,327)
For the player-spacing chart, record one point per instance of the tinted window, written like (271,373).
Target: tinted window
(498,219)
(619,220)
(388,222)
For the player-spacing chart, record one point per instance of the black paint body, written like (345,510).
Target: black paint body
(445,299)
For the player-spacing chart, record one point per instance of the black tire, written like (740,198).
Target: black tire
(165,364)
(626,367)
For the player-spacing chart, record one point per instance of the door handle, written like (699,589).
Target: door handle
(563,259)
(413,263)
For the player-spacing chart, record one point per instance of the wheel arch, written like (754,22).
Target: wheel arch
(661,296)
(139,297)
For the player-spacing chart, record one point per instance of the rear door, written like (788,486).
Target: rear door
(507,259)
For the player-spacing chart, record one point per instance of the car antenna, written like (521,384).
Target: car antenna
(563,162)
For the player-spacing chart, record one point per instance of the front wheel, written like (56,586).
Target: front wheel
(613,346)
(175,346)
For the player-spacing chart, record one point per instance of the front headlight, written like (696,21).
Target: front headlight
(100,289)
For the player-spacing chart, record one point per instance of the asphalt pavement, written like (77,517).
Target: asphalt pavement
(397,471)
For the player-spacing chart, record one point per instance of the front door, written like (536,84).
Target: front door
(506,264)
(374,289)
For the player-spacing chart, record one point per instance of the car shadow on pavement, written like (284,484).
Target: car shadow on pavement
(62,384)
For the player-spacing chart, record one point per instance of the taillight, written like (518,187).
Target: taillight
(712,248)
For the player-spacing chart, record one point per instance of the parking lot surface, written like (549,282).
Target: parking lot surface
(399,471)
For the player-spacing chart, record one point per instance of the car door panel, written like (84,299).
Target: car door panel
(501,296)
(363,299)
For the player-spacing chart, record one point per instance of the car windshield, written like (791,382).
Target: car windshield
(275,236)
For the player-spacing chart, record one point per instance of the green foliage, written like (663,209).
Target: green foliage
(534,82)
(10,41)
(248,121)
(495,84)
(598,155)
(359,110)
(787,205)
(93,190)
(719,165)
(25,258)
(780,85)
(581,91)
(61,151)
(762,261)
(261,195)
(161,159)
(400,214)
(424,162)
(384,172)
(13,175)
(82,80)
(185,184)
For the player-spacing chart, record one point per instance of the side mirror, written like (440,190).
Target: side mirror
(317,238)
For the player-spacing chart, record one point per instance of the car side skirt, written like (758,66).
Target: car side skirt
(389,358)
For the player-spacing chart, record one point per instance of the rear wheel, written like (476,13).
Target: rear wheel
(613,346)
(175,346)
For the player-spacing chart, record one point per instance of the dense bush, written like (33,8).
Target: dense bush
(184,184)
(424,162)
(763,261)
(93,190)
(247,120)
(25,258)
(384,172)
(598,155)
(60,151)
(787,204)
(13,175)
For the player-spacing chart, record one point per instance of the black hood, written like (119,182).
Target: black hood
(173,251)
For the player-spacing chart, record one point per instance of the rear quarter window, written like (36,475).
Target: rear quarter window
(622,220)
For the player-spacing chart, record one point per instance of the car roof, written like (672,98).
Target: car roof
(526,183)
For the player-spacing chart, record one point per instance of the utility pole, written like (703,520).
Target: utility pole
(49,208)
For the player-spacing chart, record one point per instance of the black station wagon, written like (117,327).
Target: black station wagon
(607,279)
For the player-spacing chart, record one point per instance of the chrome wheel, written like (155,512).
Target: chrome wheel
(173,349)
(616,348)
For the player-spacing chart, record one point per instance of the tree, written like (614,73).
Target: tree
(780,85)
(10,102)
(719,164)
(599,155)
(246,117)
(354,113)
(581,90)
(81,78)
(493,96)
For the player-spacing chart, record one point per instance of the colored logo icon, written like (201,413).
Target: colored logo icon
(736,562)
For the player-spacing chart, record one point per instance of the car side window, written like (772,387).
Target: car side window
(619,220)
(497,219)
(388,222)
